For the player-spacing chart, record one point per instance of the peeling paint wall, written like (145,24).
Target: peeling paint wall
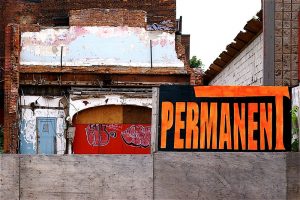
(28,126)
(78,104)
(101,45)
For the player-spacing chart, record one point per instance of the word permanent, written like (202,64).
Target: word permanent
(232,119)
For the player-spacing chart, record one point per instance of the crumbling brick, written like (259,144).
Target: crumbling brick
(11,87)
(108,17)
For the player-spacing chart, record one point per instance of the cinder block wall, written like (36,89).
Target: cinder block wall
(286,42)
(246,68)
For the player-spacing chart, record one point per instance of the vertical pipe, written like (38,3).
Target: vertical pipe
(269,43)
(61,55)
(151,53)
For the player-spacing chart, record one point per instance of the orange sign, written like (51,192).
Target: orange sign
(224,118)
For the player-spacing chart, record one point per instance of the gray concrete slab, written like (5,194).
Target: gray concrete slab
(293,176)
(220,175)
(87,177)
(9,177)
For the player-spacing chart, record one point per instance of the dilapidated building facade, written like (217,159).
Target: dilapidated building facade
(87,68)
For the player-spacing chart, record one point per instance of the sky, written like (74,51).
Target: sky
(213,24)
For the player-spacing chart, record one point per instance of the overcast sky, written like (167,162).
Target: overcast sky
(213,24)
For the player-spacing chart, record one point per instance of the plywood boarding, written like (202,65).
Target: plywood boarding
(136,115)
(114,115)
(100,115)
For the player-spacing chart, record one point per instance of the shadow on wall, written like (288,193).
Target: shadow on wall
(1,139)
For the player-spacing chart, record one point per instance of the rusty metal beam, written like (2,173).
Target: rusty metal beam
(103,70)
(88,79)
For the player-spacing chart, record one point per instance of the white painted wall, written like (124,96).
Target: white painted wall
(246,68)
(29,118)
(77,105)
(98,46)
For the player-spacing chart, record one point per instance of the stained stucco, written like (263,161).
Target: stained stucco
(101,45)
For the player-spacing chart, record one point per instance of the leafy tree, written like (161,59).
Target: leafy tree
(295,128)
(196,63)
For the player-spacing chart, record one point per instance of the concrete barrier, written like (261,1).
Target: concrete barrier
(9,176)
(220,176)
(163,175)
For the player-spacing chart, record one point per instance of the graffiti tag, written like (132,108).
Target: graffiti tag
(97,135)
(137,135)
(162,26)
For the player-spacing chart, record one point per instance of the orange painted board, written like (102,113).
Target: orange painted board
(224,118)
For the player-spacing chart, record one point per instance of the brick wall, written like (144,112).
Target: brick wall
(157,10)
(286,42)
(15,11)
(108,17)
(246,68)
(185,41)
(1,40)
(11,86)
(25,12)
(1,64)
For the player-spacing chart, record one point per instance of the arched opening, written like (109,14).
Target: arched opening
(113,129)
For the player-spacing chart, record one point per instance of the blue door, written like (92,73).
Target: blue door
(46,134)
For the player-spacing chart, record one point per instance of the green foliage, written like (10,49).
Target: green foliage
(295,128)
(195,62)
(1,139)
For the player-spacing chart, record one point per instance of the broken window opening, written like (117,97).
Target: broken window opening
(61,21)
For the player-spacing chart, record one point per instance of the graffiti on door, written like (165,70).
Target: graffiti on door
(112,139)
(97,135)
(137,135)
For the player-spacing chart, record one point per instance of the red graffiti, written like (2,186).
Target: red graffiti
(97,135)
(137,135)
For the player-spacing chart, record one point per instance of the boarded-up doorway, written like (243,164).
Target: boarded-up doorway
(113,130)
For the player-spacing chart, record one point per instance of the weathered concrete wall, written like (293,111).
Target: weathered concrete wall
(86,177)
(9,176)
(76,177)
(246,68)
(103,45)
(293,175)
(159,176)
(220,176)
